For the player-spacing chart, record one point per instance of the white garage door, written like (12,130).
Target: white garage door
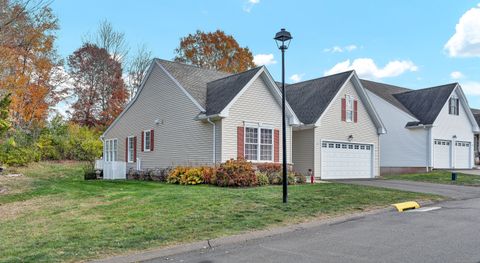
(462,155)
(346,160)
(442,154)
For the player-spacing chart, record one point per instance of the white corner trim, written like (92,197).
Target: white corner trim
(181,87)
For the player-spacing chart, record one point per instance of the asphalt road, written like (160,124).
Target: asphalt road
(448,234)
(452,191)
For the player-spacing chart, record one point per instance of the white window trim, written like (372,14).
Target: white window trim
(110,152)
(128,149)
(259,127)
(453,106)
(145,141)
(352,100)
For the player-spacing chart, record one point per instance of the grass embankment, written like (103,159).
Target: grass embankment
(52,214)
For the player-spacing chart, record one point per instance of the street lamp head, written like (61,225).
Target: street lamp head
(282,39)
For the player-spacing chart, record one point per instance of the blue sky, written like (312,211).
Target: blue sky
(415,44)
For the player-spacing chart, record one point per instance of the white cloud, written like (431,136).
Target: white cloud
(366,68)
(456,75)
(350,48)
(466,40)
(264,59)
(247,7)
(471,88)
(338,49)
(297,77)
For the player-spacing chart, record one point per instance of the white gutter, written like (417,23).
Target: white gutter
(214,139)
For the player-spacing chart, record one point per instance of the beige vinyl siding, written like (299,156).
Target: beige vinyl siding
(256,104)
(218,141)
(333,128)
(303,150)
(179,139)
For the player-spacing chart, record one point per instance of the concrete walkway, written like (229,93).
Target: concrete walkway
(453,191)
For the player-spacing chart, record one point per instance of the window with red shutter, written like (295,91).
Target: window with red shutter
(152,140)
(355,111)
(143,139)
(344,109)
(240,142)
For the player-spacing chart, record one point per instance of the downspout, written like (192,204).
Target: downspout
(429,149)
(214,140)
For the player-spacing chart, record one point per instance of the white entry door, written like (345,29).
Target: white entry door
(342,160)
(462,155)
(442,154)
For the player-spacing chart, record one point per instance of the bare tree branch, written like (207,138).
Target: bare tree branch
(137,69)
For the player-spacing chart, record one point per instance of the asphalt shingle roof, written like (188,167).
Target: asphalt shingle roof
(310,98)
(221,91)
(194,79)
(386,92)
(423,104)
(426,104)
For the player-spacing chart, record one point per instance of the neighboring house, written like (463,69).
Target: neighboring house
(339,137)
(430,128)
(476,114)
(185,115)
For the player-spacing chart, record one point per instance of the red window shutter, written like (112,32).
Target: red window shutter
(450,106)
(135,149)
(355,110)
(143,139)
(344,109)
(276,145)
(152,140)
(240,142)
(126,149)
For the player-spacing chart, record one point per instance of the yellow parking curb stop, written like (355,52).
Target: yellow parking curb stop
(406,206)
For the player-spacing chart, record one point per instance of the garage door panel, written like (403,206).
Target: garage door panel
(462,155)
(346,160)
(442,154)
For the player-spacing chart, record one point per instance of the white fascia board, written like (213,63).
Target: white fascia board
(182,88)
(142,84)
(465,105)
(365,99)
(270,83)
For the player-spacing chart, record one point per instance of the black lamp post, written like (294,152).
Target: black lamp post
(283,41)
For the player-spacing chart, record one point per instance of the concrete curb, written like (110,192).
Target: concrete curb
(241,238)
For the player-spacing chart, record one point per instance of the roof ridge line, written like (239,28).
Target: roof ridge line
(232,75)
(193,66)
(336,74)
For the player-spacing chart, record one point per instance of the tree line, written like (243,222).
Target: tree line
(98,79)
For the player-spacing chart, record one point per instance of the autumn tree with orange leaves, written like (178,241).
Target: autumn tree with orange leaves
(214,50)
(98,86)
(29,64)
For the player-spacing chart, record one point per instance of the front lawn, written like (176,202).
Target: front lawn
(54,215)
(439,177)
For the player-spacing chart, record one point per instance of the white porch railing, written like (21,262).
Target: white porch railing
(114,170)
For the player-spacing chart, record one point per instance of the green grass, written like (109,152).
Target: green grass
(439,177)
(57,216)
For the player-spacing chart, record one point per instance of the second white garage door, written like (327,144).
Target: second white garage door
(462,155)
(346,160)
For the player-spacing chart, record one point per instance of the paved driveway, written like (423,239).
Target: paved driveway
(450,234)
(471,171)
(452,191)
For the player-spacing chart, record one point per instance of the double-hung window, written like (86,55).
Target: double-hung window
(454,106)
(349,108)
(130,149)
(110,151)
(259,144)
(147,139)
